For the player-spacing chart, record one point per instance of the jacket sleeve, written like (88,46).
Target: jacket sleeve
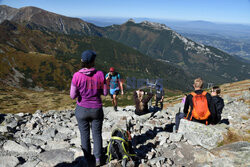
(104,87)
(146,100)
(187,104)
(73,91)
(220,105)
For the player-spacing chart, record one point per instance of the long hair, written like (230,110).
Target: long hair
(140,97)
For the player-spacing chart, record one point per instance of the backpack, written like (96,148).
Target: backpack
(119,146)
(200,106)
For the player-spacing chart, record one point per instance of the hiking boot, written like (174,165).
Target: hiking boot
(124,162)
(115,108)
(97,162)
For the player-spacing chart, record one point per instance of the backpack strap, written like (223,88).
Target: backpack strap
(204,93)
(193,93)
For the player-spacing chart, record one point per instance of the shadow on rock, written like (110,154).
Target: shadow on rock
(2,117)
(225,121)
(78,162)
(149,135)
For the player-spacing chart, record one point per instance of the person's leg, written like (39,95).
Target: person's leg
(115,99)
(156,102)
(161,105)
(178,118)
(112,98)
(97,132)
(84,127)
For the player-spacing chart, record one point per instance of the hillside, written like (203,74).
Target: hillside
(33,58)
(152,39)
(36,18)
(162,43)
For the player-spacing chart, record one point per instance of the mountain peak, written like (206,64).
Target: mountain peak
(154,25)
(131,20)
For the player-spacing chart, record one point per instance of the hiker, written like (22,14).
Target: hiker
(115,85)
(87,86)
(217,104)
(197,106)
(141,101)
(159,97)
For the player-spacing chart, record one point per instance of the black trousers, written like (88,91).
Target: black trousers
(157,101)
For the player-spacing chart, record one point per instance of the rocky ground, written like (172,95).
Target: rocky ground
(52,138)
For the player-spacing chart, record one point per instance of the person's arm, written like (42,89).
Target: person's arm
(150,95)
(187,104)
(135,96)
(107,77)
(105,87)
(73,91)
(220,105)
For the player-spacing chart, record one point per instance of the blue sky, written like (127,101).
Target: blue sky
(232,11)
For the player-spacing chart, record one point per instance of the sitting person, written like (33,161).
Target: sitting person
(197,106)
(217,104)
(141,101)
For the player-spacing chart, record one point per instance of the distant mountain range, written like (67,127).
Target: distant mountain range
(231,38)
(162,43)
(54,42)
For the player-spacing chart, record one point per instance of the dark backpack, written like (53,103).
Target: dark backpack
(119,146)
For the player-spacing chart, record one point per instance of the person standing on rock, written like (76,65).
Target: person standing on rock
(197,106)
(87,86)
(141,101)
(159,96)
(217,104)
(115,85)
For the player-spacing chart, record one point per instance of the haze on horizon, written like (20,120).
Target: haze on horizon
(224,11)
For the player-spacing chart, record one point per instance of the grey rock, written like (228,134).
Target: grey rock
(55,157)
(3,129)
(175,137)
(30,163)
(233,154)
(14,147)
(49,133)
(53,145)
(158,159)
(207,136)
(8,161)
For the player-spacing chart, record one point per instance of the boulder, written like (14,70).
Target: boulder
(8,161)
(175,137)
(207,136)
(14,147)
(54,157)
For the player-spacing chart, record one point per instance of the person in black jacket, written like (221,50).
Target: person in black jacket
(188,106)
(217,104)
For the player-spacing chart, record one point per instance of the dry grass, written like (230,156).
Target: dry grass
(14,100)
(233,136)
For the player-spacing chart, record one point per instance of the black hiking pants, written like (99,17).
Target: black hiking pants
(93,117)
(158,101)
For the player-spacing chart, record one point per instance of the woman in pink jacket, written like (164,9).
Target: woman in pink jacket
(87,86)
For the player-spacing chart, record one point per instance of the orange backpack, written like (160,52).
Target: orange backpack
(200,106)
